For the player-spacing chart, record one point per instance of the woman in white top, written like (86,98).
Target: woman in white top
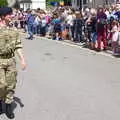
(115,35)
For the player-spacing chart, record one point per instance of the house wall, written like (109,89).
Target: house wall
(38,4)
(90,3)
(34,5)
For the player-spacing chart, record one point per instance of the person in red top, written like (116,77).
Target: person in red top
(101,29)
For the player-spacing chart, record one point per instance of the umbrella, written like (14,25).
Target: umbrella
(5,11)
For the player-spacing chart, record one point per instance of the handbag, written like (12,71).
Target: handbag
(118,39)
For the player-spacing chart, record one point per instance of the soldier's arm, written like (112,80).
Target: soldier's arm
(22,59)
(19,52)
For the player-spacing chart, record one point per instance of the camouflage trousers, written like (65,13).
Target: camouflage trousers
(8,74)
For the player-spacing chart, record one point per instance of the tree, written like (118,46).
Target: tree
(66,2)
(53,0)
(3,3)
(48,2)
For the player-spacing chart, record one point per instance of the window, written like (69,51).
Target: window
(78,2)
(84,2)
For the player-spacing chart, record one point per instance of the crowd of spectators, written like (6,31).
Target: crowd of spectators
(97,28)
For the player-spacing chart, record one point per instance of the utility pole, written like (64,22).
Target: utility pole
(81,5)
(93,3)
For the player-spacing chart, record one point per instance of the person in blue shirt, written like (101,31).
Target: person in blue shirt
(30,21)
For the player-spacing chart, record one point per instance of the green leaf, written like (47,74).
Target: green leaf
(3,3)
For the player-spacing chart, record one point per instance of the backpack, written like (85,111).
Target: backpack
(103,21)
(57,27)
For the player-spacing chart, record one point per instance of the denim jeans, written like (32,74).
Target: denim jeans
(78,36)
(71,32)
(43,31)
(93,37)
(37,29)
(30,30)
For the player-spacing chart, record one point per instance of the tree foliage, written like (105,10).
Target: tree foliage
(3,3)
(58,1)
(53,0)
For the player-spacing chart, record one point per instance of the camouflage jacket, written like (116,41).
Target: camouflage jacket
(9,40)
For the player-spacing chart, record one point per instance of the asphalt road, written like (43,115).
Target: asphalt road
(64,82)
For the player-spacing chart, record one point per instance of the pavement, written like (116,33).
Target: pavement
(66,82)
(81,46)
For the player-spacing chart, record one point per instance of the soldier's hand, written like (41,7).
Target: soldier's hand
(23,64)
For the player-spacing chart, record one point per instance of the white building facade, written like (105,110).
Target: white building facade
(39,4)
(25,4)
(33,4)
(90,3)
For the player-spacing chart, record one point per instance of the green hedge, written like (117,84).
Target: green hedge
(3,3)
(49,1)
(53,0)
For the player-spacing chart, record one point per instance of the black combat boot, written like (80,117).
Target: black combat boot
(1,110)
(9,111)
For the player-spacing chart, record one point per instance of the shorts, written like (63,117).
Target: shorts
(93,37)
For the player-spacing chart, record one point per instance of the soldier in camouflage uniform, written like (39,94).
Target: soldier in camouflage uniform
(9,44)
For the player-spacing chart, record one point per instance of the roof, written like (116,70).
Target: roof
(25,1)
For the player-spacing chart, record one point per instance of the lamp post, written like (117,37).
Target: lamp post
(80,5)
